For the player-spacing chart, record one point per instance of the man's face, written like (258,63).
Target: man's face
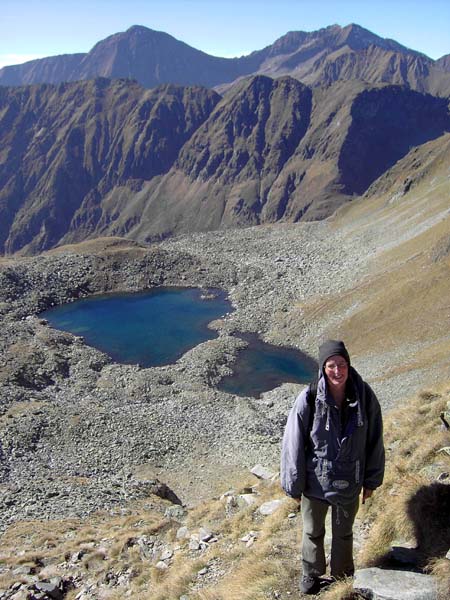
(336,370)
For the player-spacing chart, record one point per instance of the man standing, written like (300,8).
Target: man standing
(332,449)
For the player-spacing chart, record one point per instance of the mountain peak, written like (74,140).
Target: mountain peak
(136,34)
(333,37)
(138,29)
(141,31)
(444,62)
(358,38)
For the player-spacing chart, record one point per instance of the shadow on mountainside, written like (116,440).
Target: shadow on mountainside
(429,512)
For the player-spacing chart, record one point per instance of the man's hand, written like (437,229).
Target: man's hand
(366,494)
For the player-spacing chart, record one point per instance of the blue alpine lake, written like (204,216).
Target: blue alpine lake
(261,367)
(158,326)
(149,328)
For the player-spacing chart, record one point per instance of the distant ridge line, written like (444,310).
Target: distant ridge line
(319,57)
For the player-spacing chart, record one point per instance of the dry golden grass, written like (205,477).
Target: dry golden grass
(245,572)
(410,506)
(102,542)
(267,565)
(440,568)
(342,590)
(405,303)
(183,574)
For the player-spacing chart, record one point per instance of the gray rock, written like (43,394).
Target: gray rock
(23,570)
(182,533)
(386,584)
(175,512)
(76,557)
(244,500)
(50,589)
(194,545)
(166,554)
(20,595)
(268,508)
(262,472)
(146,546)
(249,536)
(205,534)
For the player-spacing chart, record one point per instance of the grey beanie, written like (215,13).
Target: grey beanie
(331,348)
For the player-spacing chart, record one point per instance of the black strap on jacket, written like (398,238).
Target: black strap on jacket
(311,395)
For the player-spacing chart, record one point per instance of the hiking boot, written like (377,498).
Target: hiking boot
(309,584)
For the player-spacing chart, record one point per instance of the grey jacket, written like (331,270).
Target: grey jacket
(324,461)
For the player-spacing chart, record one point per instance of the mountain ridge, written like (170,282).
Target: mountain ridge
(109,157)
(67,143)
(154,57)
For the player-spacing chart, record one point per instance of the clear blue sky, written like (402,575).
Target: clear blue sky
(35,28)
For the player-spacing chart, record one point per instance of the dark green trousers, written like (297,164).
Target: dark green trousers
(313,552)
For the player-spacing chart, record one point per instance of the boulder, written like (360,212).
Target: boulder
(52,590)
(166,554)
(194,544)
(387,584)
(175,512)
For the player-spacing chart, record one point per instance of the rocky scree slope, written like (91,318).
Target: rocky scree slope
(110,158)
(79,432)
(317,58)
